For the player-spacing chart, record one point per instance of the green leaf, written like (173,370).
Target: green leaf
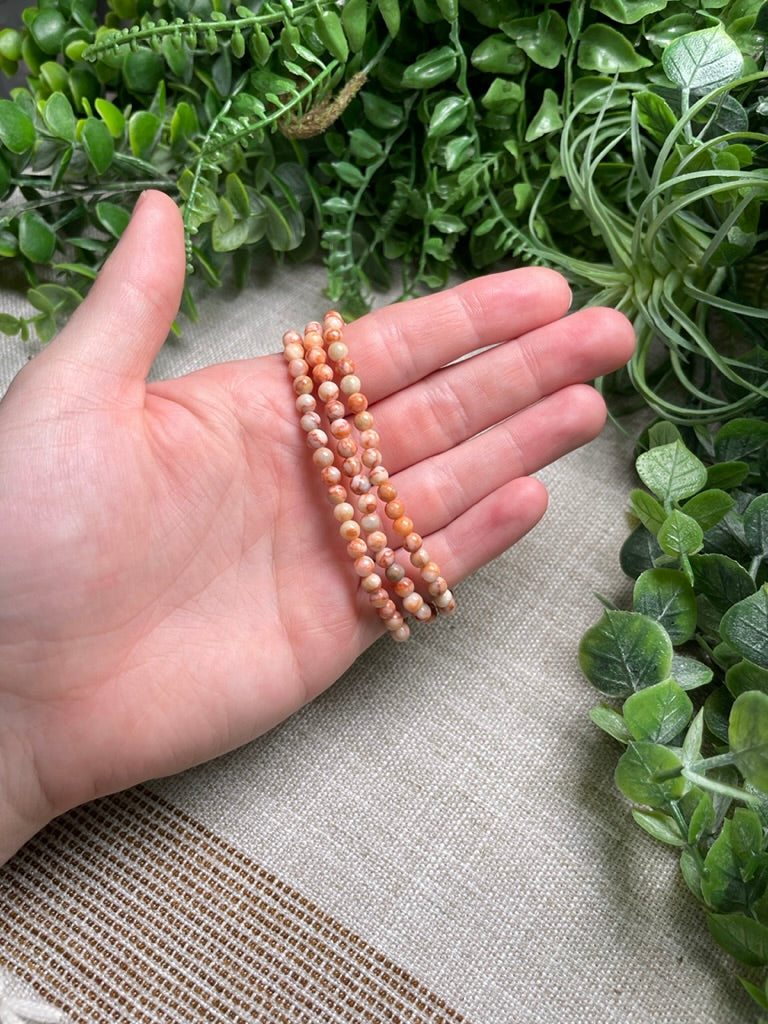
(741,440)
(658,713)
(448,115)
(547,119)
(111,115)
(690,673)
(97,143)
(702,820)
(666,596)
(625,652)
(727,475)
(741,936)
(611,721)
(47,30)
(639,552)
(143,133)
(113,218)
(37,240)
(748,737)
(430,68)
(745,627)
(659,825)
(143,70)
(641,775)
(59,116)
(744,676)
(17,129)
(349,174)
(503,96)
(363,146)
(604,49)
(756,525)
(703,59)
(680,535)
(722,580)
(542,38)
(708,507)
(354,18)
(381,112)
(390,12)
(671,471)
(497,55)
(237,194)
(627,12)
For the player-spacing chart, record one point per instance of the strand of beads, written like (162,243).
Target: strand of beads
(394,508)
(349,464)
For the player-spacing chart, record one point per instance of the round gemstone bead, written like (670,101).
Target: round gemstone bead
(364,420)
(336,494)
(395,572)
(293,350)
(317,438)
(298,367)
(424,614)
(444,599)
(403,525)
(349,530)
(306,403)
(369,438)
(357,402)
(347,447)
(341,428)
(379,597)
(412,602)
(419,558)
(388,610)
(343,511)
(310,421)
(352,466)
(334,410)
(292,338)
(365,565)
(336,347)
(394,509)
(328,391)
(330,475)
(404,587)
(385,558)
(350,384)
(316,357)
(360,484)
(401,634)
(437,587)
(430,572)
(371,523)
(371,457)
(371,583)
(377,540)
(412,541)
(345,367)
(357,547)
(395,622)
(322,457)
(379,475)
(322,373)
(303,385)
(387,491)
(367,504)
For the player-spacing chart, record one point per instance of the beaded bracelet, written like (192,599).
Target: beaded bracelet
(349,459)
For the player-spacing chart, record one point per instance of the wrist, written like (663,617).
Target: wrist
(23,807)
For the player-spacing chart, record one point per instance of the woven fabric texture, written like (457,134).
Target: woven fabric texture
(447,802)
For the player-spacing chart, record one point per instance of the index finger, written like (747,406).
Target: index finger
(400,344)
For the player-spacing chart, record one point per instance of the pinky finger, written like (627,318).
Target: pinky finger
(488,528)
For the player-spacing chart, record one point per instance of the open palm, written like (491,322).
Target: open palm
(173,582)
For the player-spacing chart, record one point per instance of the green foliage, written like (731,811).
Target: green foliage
(689,665)
(623,142)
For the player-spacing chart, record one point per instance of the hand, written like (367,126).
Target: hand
(172,581)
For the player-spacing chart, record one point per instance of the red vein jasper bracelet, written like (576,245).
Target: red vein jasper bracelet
(345,448)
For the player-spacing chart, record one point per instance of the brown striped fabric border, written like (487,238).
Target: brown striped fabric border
(128,910)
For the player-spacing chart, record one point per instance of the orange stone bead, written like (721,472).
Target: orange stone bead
(357,402)
(403,525)
(394,509)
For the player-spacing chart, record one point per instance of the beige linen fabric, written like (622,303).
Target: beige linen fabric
(443,821)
